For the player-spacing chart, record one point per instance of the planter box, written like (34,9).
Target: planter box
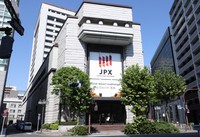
(63,129)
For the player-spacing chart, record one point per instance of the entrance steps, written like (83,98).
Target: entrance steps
(107,127)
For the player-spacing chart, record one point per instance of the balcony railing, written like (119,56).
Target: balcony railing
(192,85)
(183,48)
(195,46)
(197,56)
(191,26)
(198,69)
(193,35)
(187,65)
(189,75)
(197,5)
(185,56)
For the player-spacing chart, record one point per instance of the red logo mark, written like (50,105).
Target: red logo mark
(105,61)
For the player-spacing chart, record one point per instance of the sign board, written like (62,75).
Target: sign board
(179,106)
(5,113)
(17,26)
(105,73)
(15,22)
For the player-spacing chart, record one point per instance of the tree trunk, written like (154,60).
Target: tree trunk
(78,118)
(166,111)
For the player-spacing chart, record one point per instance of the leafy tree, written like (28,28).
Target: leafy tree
(73,87)
(168,86)
(137,89)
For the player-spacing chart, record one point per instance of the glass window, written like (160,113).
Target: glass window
(50,18)
(11,116)
(13,105)
(50,30)
(12,110)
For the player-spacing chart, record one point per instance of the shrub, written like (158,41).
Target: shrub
(46,126)
(142,125)
(165,128)
(130,129)
(80,130)
(54,126)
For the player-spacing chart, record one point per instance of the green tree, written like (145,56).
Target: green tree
(137,89)
(168,86)
(73,87)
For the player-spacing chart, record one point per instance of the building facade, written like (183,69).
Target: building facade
(102,44)
(185,18)
(49,22)
(164,57)
(13,102)
(4,63)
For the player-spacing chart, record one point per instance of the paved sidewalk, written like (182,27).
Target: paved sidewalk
(188,131)
(108,133)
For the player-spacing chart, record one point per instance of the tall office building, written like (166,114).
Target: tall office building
(4,18)
(98,37)
(185,24)
(50,20)
(164,58)
(164,55)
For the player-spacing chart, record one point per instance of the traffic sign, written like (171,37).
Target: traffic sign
(17,26)
(5,113)
(6,47)
(15,21)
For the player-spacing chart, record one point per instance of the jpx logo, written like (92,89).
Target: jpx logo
(105,61)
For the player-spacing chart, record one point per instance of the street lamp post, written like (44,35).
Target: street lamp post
(42,102)
(38,122)
(157,109)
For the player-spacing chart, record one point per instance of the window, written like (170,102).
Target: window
(49,24)
(49,41)
(11,116)
(51,18)
(12,110)
(60,20)
(13,105)
(48,35)
(19,111)
(50,30)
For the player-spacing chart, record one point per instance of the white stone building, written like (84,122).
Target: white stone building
(49,22)
(13,102)
(99,38)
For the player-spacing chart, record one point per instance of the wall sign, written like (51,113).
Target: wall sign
(105,73)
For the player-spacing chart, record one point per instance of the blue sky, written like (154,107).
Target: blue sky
(153,15)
